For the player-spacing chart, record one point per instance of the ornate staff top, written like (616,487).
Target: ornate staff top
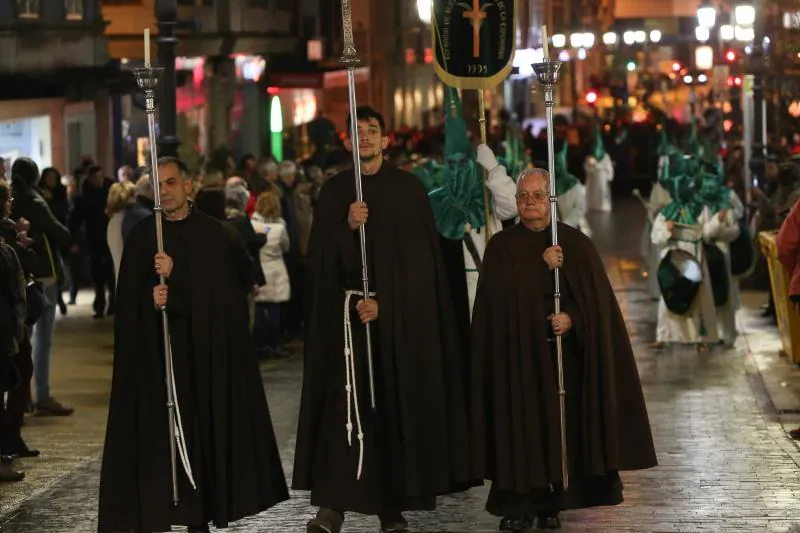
(349,54)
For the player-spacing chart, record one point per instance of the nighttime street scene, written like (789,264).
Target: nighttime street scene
(384,266)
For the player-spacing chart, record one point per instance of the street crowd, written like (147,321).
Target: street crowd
(262,253)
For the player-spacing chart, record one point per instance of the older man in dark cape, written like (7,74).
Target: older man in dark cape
(231,447)
(515,405)
(415,443)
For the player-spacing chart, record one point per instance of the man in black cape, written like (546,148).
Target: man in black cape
(231,448)
(515,432)
(414,444)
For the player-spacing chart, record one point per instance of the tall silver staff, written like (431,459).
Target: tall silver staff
(351,60)
(147,79)
(547,72)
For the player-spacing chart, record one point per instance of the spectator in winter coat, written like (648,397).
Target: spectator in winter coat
(50,240)
(120,196)
(267,221)
(12,412)
(89,214)
(141,208)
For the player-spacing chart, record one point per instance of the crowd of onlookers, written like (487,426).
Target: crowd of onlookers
(59,233)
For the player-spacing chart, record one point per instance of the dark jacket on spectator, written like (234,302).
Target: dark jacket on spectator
(51,239)
(89,213)
(211,201)
(58,202)
(253,242)
(141,208)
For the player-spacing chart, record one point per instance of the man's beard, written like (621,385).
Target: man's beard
(371,157)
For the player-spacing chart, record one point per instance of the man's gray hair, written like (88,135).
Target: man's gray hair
(533,172)
(287,168)
(266,166)
(144,187)
(236,196)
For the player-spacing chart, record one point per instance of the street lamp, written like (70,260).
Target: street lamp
(745,15)
(727,32)
(629,37)
(743,34)
(704,57)
(167,20)
(424,8)
(706,15)
(610,38)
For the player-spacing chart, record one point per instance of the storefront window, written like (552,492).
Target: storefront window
(28,9)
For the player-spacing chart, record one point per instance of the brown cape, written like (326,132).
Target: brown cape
(514,408)
(416,444)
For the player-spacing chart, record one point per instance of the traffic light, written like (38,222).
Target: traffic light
(591,97)
(730,56)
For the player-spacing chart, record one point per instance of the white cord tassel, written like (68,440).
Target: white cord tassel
(183,451)
(350,382)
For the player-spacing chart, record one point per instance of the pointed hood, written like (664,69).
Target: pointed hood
(693,143)
(598,148)
(455,187)
(664,146)
(515,159)
(564,180)
(685,206)
(455,127)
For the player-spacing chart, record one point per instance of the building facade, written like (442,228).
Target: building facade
(224,49)
(56,80)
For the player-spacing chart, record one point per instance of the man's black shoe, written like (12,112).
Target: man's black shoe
(16,447)
(548,520)
(515,524)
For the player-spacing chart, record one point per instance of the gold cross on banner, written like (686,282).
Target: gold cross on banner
(477,15)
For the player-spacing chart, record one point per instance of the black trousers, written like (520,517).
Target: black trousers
(102,266)
(12,412)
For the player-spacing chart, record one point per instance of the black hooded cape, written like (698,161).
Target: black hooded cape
(515,439)
(228,429)
(416,444)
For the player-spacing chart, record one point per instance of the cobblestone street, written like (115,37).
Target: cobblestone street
(719,422)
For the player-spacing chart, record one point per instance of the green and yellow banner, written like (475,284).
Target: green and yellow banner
(474,41)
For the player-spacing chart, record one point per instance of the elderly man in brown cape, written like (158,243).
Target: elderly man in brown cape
(516,438)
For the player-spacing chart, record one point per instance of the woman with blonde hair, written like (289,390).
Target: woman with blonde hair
(267,219)
(120,196)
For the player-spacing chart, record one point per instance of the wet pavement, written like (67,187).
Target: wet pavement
(718,422)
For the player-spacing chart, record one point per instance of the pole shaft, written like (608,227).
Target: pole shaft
(551,164)
(482,122)
(350,59)
(151,126)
